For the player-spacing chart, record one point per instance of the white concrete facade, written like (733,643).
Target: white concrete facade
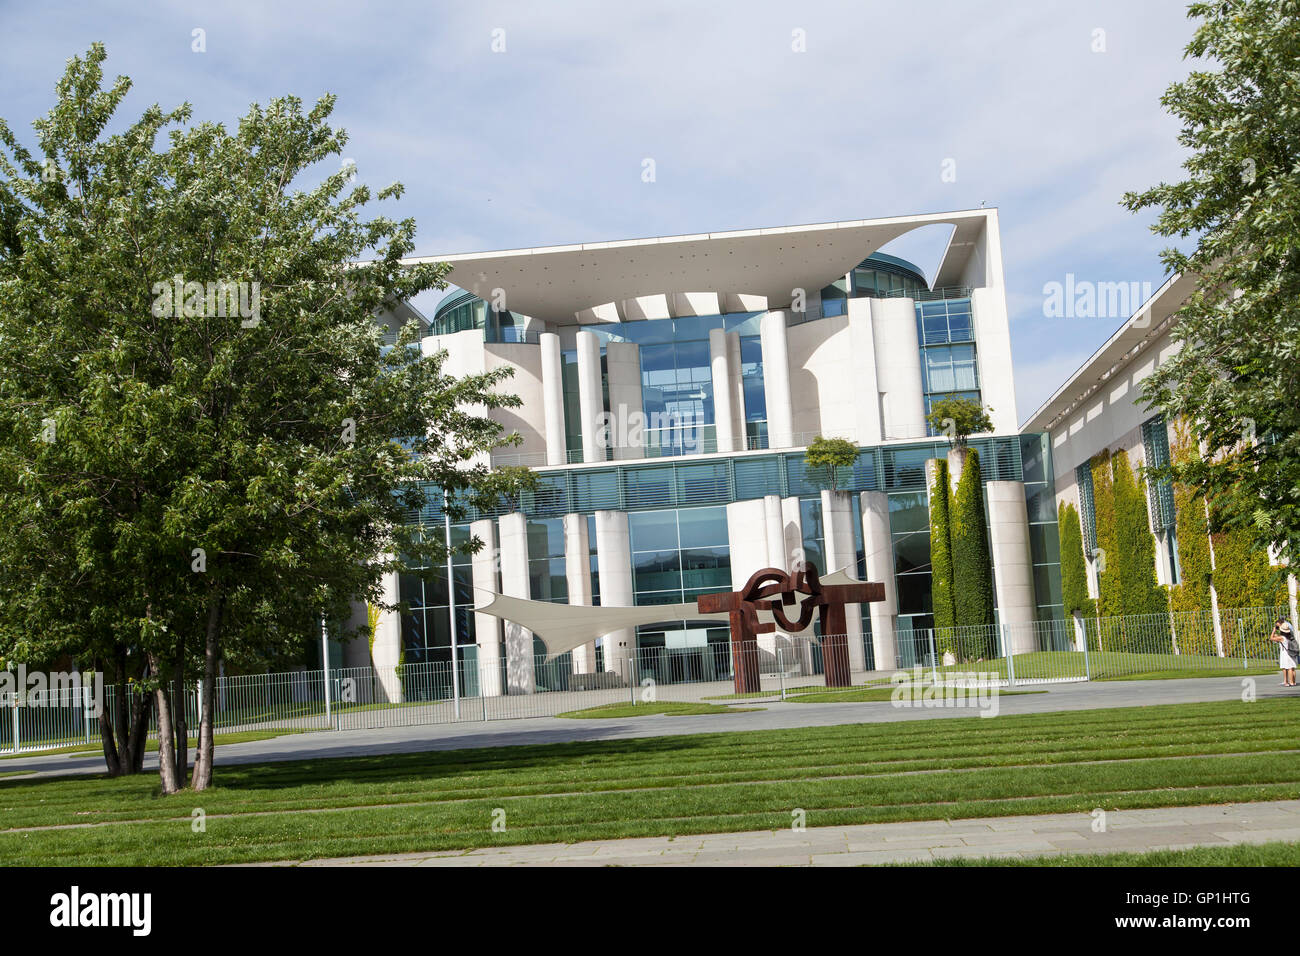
(856,375)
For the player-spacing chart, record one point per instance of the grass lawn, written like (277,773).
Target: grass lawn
(1241,854)
(675,708)
(1158,756)
(151,746)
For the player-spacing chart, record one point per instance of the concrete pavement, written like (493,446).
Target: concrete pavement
(878,843)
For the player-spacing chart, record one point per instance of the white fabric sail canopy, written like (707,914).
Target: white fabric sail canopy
(564,627)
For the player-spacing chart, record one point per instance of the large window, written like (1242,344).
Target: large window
(426,627)
(677,377)
(678,555)
(946,332)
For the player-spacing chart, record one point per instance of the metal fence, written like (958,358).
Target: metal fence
(1101,648)
(414,694)
(430,693)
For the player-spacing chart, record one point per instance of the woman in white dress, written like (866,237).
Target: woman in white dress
(1284,634)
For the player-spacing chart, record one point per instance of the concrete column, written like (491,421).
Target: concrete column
(737,391)
(487,628)
(801,643)
(879,552)
(614,564)
(723,414)
(776,379)
(553,399)
(577,574)
(842,553)
(623,364)
(898,368)
(864,388)
(956,465)
(386,653)
(591,397)
(773,556)
(1013,565)
(520,677)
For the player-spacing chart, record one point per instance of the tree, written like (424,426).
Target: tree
(198,415)
(511,483)
(826,456)
(1074,574)
(1109,600)
(1135,557)
(1235,378)
(941,576)
(972,568)
(959,418)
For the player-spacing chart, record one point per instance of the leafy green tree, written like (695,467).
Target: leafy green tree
(826,456)
(511,483)
(1235,377)
(197,410)
(972,567)
(1136,556)
(959,418)
(1109,594)
(941,575)
(1074,573)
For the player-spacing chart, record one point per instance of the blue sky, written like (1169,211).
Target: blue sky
(543,144)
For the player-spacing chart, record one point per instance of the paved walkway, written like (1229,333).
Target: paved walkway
(876,843)
(775,716)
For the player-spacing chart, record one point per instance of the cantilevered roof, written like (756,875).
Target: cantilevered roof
(1147,324)
(554,282)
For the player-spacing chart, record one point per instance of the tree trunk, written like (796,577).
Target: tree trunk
(211,656)
(112,758)
(180,724)
(139,730)
(166,752)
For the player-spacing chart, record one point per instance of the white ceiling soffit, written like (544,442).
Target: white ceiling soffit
(564,627)
(554,282)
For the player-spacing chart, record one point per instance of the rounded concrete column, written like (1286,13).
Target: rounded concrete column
(386,652)
(614,564)
(487,627)
(627,408)
(553,399)
(1013,564)
(776,379)
(879,551)
(520,678)
(577,575)
(842,553)
(591,396)
(724,421)
(898,368)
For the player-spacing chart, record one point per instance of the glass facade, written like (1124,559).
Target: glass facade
(946,332)
(1044,535)
(461,311)
(426,626)
(677,378)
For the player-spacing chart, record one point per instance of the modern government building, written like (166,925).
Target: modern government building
(669,389)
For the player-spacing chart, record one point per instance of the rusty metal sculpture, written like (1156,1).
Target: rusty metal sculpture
(760,594)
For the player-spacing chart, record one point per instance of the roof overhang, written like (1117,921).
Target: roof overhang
(553,283)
